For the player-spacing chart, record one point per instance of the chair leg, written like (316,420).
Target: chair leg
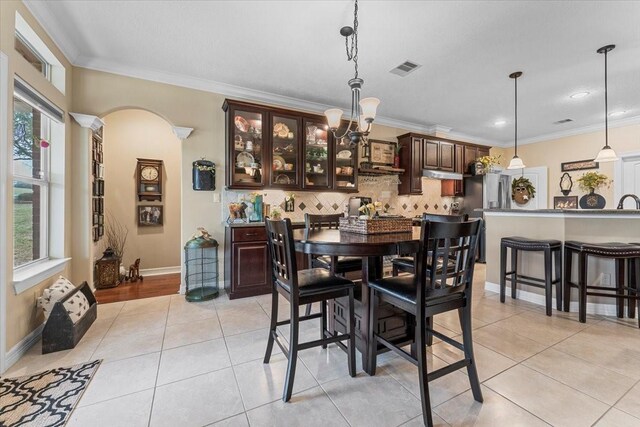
(323,321)
(351,330)
(557,259)
(514,267)
(467,341)
(548,292)
(394,270)
(420,339)
(293,352)
(503,271)
(582,287)
(272,325)
(631,286)
(429,328)
(566,279)
(372,342)
(620,287)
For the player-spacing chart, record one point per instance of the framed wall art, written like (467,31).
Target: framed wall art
(578,165)
(382,152)
(150,216)
(565,202)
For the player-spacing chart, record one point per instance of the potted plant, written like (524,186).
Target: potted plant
(488,163)
(369,210)
(396,158)
(116,238)
(590,182)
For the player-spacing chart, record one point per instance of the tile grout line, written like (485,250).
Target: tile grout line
(153,398)
(618,401)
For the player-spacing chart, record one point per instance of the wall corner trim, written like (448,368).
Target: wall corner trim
(88,121)
(181,132)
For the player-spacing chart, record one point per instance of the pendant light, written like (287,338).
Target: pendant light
(516,162)
(606,154)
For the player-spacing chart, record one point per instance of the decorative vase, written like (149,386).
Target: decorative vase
(396,161)
(592,201)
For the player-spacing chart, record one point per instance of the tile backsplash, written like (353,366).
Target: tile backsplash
(383,189)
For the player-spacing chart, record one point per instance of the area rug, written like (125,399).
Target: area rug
(44,399)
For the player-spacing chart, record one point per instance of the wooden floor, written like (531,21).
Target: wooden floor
(151,286)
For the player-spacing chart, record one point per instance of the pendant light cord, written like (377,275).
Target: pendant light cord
(516,121)
(606,105)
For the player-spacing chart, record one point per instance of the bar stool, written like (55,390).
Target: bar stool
(549,247)
(624,254)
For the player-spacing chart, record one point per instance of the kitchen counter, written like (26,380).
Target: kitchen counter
(259,224)
(596,226)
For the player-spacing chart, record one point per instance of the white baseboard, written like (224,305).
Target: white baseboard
(159,271)
(23,346)
(539,299)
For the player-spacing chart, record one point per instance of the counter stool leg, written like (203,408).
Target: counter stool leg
(582,287)
(548,292)
(514,267)
(566,279)
(620,287)
(632,285)
(503,271)
(293,352)
(558,268)
(323,328)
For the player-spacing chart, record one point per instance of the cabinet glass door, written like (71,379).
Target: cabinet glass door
(284,151)
(248,154)
(346,156)
(317,171)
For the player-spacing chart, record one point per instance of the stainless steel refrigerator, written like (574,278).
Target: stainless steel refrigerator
(489,191)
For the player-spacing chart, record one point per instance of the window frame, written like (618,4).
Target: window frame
(46,71)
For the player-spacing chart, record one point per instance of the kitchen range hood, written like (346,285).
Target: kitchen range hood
(434,174)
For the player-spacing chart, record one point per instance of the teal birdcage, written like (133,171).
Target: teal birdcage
(201,262)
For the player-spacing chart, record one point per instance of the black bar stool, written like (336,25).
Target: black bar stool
(626,257)
(549,247)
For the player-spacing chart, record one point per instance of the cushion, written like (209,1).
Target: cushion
(317,281)
(76,306)
(54,293)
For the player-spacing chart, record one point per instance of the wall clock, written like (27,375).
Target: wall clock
(149,179)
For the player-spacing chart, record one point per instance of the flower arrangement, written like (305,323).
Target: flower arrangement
(591,181)
(370,209)
(489,162)
(276,215)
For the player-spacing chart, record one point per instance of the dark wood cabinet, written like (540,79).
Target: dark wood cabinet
(430,154)
(459,159)
(447,156)
(411,162)
(271,147)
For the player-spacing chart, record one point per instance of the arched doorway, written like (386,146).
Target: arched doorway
(146,216)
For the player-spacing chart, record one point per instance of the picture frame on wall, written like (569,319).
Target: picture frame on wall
(578,165)
(382,152)
(565,202)
(95,218)
(100,230)
(95,234)
(101,206)
(150,215)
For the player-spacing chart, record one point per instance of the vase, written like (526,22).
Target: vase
(592,201)
(396,161)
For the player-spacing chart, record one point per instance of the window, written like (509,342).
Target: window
(28,52)
(30,183)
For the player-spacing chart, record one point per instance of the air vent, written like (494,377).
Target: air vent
(563,121)
(405,68)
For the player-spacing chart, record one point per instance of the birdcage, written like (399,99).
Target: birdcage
(201,266)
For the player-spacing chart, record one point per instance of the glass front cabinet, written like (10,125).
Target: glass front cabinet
(291,151)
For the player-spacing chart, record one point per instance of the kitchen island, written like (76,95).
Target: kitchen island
(596,226)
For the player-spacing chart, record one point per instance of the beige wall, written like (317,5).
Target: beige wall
(129,135)
(579,147)
(22,315)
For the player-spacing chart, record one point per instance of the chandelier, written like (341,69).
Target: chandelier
(516,162)
(606,154)
(363,111)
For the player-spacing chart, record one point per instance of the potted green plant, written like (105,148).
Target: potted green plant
(489,163)
(590,182)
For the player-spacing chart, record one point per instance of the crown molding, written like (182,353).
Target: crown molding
(629,121)
(88,121)
(41,11)
(181,132)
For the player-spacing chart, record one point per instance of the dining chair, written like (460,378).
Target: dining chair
(301,287)
(432,291)
(405,263)
(339,265)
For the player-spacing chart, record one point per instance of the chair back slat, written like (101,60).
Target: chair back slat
(444,218)
(318,222)
(446,256)
(282,251)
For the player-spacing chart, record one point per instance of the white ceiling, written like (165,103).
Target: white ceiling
(292,49)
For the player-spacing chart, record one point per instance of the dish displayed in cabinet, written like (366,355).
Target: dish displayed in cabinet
(278,163)
(244,159)
(344,154)
(282,179)
(241,123)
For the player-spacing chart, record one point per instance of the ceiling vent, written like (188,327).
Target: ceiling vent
(405,68)
(563,121)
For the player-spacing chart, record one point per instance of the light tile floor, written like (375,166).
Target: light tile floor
(172,363)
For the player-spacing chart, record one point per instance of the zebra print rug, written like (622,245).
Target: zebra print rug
(44,399)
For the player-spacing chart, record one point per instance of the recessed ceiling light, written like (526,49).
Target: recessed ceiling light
(616,113)
(500,122)
(579,95)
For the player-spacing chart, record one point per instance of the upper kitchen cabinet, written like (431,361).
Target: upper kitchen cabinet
(411,160)
(271,147)
(471,153)
(438,154)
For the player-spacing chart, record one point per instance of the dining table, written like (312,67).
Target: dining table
(393,324)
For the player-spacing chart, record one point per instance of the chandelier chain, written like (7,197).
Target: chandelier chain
(352,51)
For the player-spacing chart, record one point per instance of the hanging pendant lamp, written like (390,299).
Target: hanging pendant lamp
(516,162)
(606,154)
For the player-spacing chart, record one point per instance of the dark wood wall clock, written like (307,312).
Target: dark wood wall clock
(149,177)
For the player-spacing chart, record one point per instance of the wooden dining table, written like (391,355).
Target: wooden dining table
(393,324)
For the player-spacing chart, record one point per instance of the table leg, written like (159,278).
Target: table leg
(371,269)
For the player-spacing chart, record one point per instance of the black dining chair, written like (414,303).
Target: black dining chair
(406,264)
(301,287)
(336,265)
(432,291)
